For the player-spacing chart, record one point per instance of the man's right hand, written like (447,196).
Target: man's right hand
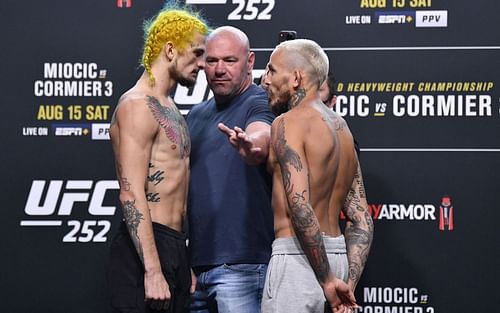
(193,282)
(339,296)
(157,291)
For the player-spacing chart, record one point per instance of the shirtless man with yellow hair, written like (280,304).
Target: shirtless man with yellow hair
(149,267)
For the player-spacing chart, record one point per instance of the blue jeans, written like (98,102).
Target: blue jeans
(234,288)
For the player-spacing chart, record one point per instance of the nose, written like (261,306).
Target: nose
(265,79)
(220,67)
(262,80)
(201,63)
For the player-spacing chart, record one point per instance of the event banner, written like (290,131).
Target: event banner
(417,82)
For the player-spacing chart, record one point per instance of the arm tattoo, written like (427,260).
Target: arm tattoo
(133,218)
(354,197)
(122,181)
(359,229)
(172,122)
(286,155)
(124,184)
(308,233)
(305,222)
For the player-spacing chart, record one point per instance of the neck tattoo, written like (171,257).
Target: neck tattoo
(299,95)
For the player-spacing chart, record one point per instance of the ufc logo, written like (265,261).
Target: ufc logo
(201,91)
(87,191)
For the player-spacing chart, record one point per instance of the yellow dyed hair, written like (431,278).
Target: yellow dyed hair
(174,24)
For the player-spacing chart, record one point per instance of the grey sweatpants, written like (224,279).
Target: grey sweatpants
(291,285)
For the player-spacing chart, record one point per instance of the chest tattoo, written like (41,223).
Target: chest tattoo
(173,123)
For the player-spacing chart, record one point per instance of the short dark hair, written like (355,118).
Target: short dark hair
(332,86)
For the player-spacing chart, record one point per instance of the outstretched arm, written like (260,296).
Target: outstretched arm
(136,132)
(288,143)
(359,229)
(251,143)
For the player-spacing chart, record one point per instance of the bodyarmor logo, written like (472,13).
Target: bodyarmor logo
(446,214)
(124,3)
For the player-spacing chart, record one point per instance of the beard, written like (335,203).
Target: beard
(186,82)
(280,108)
(281,104)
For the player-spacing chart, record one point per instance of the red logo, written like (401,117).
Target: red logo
(446,214)
(124,3)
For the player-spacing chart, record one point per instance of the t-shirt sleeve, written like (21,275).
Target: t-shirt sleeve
(259,110)
(193,108)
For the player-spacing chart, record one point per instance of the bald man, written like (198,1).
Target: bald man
(315,175)
(230,215)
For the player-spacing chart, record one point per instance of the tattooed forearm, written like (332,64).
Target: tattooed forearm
(133,218)
(307,230)
(358,244)
(124,184)
(123,181)
(299,197)
(361,186)
(359,229)
(356,196)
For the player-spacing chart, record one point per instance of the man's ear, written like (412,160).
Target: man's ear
(296,79)
(333,102)
(169,51)
(251,62)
